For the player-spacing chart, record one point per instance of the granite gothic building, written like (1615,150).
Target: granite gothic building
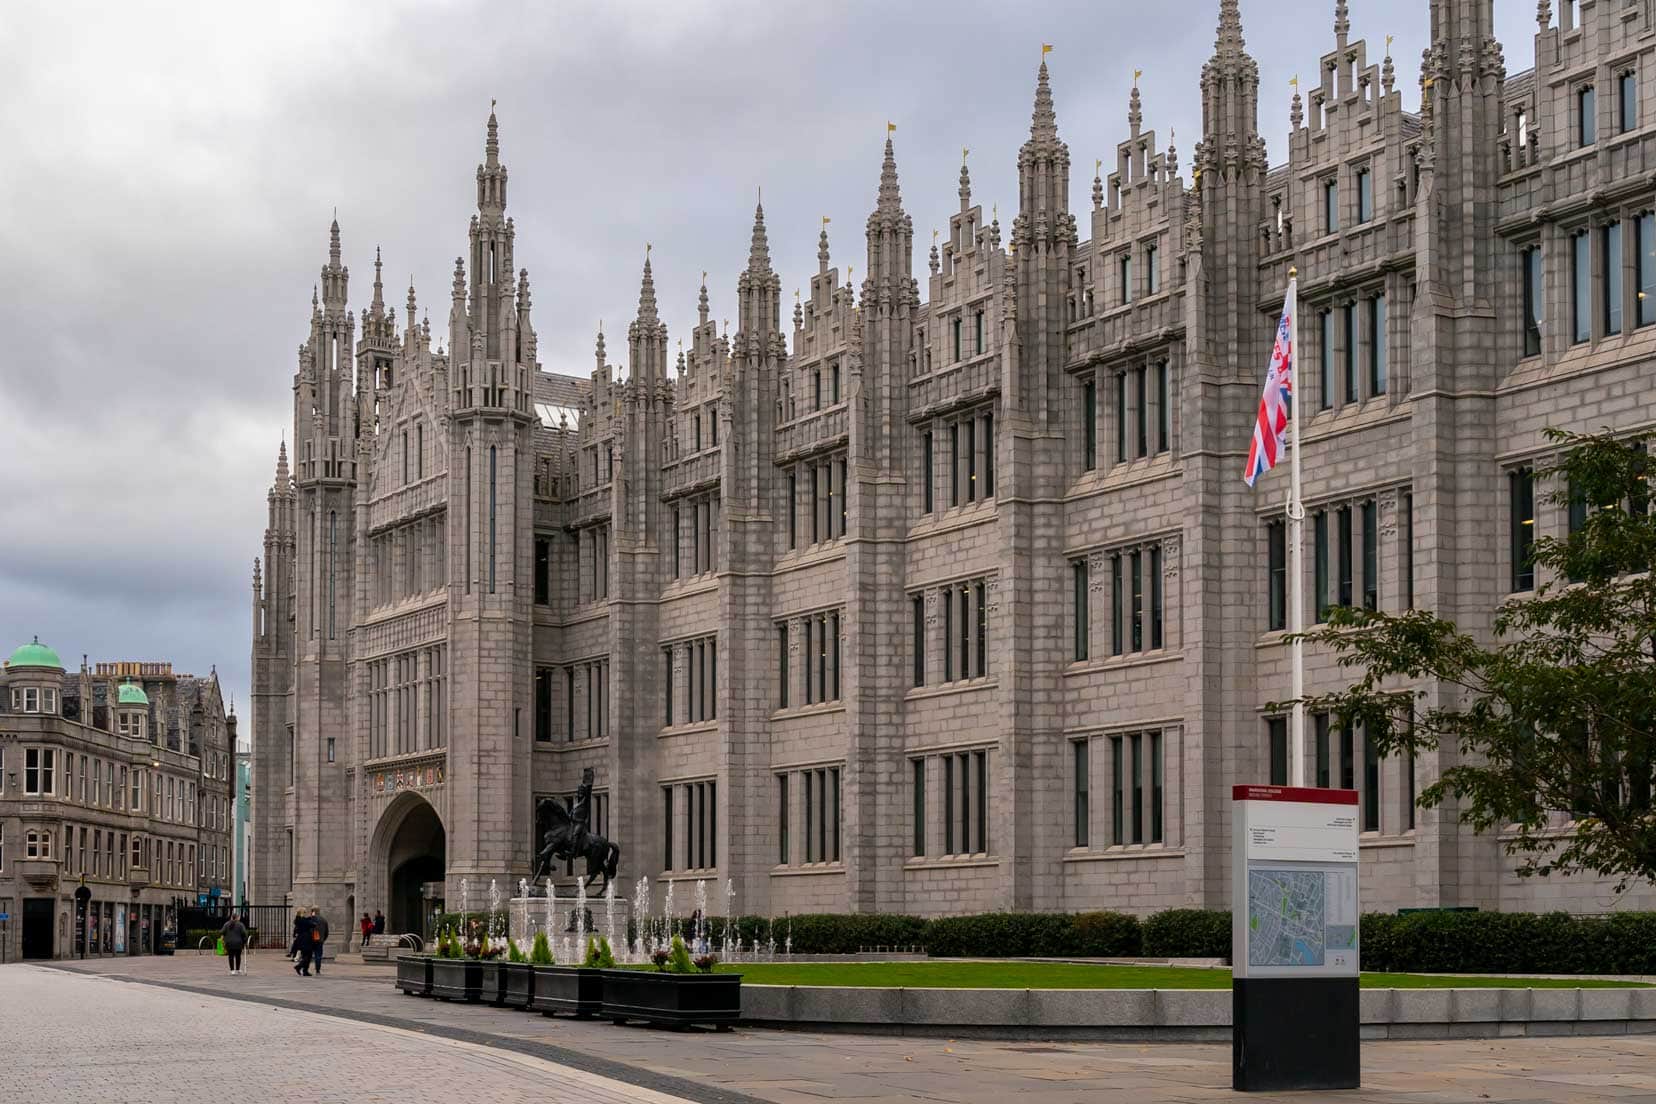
(943,591)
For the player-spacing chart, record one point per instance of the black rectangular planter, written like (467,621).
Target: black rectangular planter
(676,1000)
(576,990)
(414,975)
(493,988)
(456,979)
(520,983)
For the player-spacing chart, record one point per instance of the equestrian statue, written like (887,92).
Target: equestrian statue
(569,836)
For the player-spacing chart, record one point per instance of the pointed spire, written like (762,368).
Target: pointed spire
(411,322)
(1387,73)
(646,292)
(459,279)
(799,311)
(1172,155)
(759,250)
(1098,183)
(598,346)
(701,303)
(1543,15)
(378,304)
(1227,42)
(282,476)
(931,259)
(1135,111)
(1296,109)
(1342,24)
(891,198)
(491,144)
(1043,121)
(965,181)
(523,291)
(333,240)
(822,246)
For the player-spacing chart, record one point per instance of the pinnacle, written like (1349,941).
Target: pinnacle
(759,249)
(822,248)
(965,183)
(1043,122)
(379,289)
(891,198)
(701,305)
(1342,24)
(646,294)
(491,145)
(1135,112)
(1228,40)
(282,467)
(333,242)
(459,278)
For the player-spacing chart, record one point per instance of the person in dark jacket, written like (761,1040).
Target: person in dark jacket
(234,933)
(304,931)
(379,922)
(319,938)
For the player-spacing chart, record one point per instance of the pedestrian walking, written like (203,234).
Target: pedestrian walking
(234,934)
(319,938)
(379,922)
(367,926)
(304,932)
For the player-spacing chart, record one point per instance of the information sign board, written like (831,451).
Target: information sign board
(1294,887)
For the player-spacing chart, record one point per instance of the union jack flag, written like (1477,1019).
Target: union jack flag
(1271,427)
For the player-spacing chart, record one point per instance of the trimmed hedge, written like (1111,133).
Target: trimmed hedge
(826,933)
(1188,933)
(1510,943)
(1034,935)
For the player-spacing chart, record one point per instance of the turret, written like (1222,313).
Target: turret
(1043,242)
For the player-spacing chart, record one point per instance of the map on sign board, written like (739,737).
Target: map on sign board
(1296,916)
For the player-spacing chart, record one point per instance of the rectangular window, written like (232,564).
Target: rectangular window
(1377,345)
(1371,783)
(543,571)
(1365,195)
(1136,615)
(954,464)
(833,383)
(38,771)
(1142,411)
(1611,241)
(543,706)
(954,331)
(1155,787)
(1532,277)
(1405,506)
(1155,597)
(1320,724)
(927,473)
(1276,543)
(1117,792)
(1342,528)
(1627,101)
(1581,289)
(947,602)
(1125,267)
(1276,730)
(1371,557)
(834,656)
(918,768)
(783,674)
(1521,511)
(1586,115)
(1117,637)
(1078,608)
(977,332)
(948,804)
(969,449)
(813,817)
(982,633)
(1331,205)
(1164,417)
(1349,359)
(980,775)
(1644,269)
(783,854)
(1348,759)
(667,827)
(1121,417)
(1079,757)
(1137,743)
(965,631)
(918,607)
(1325,359)
(1319,556)
(988,455)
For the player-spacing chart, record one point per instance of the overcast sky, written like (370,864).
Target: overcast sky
(169,171)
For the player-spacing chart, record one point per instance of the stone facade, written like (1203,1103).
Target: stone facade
(114,802)
(959,602)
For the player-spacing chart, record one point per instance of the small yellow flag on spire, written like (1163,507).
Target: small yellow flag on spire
(890,126)
(1137,73)
(1098,164)
(826,220)
(1046,48)
(963,154)
(1388,42)
(1293,81)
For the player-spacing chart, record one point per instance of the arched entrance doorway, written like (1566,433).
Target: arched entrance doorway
(415,851)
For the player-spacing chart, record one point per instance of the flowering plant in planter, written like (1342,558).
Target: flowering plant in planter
(660,958)
(706,962)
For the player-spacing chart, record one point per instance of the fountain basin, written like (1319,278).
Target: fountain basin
(675,1000)
(456,979)
(414,974)
(575,990)
(519,978)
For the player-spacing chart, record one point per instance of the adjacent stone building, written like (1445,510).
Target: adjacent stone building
(957,600)
(114,798)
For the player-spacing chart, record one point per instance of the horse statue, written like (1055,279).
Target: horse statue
(569,836)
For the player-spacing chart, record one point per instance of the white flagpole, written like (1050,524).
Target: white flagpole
(1296,551)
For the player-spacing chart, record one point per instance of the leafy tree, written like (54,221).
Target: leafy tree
(1557,712)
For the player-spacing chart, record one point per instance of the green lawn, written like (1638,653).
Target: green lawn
(948,974)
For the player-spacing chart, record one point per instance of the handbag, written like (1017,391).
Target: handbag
(219,950)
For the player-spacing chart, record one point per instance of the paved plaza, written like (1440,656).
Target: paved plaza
(351,1036)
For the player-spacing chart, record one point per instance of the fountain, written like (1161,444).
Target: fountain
(581,927)
(698,934)
(609,915)
(667,917)
(732,931)
(494,907)
(637,946)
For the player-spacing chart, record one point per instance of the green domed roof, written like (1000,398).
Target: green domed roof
(131,694)
(35,654)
